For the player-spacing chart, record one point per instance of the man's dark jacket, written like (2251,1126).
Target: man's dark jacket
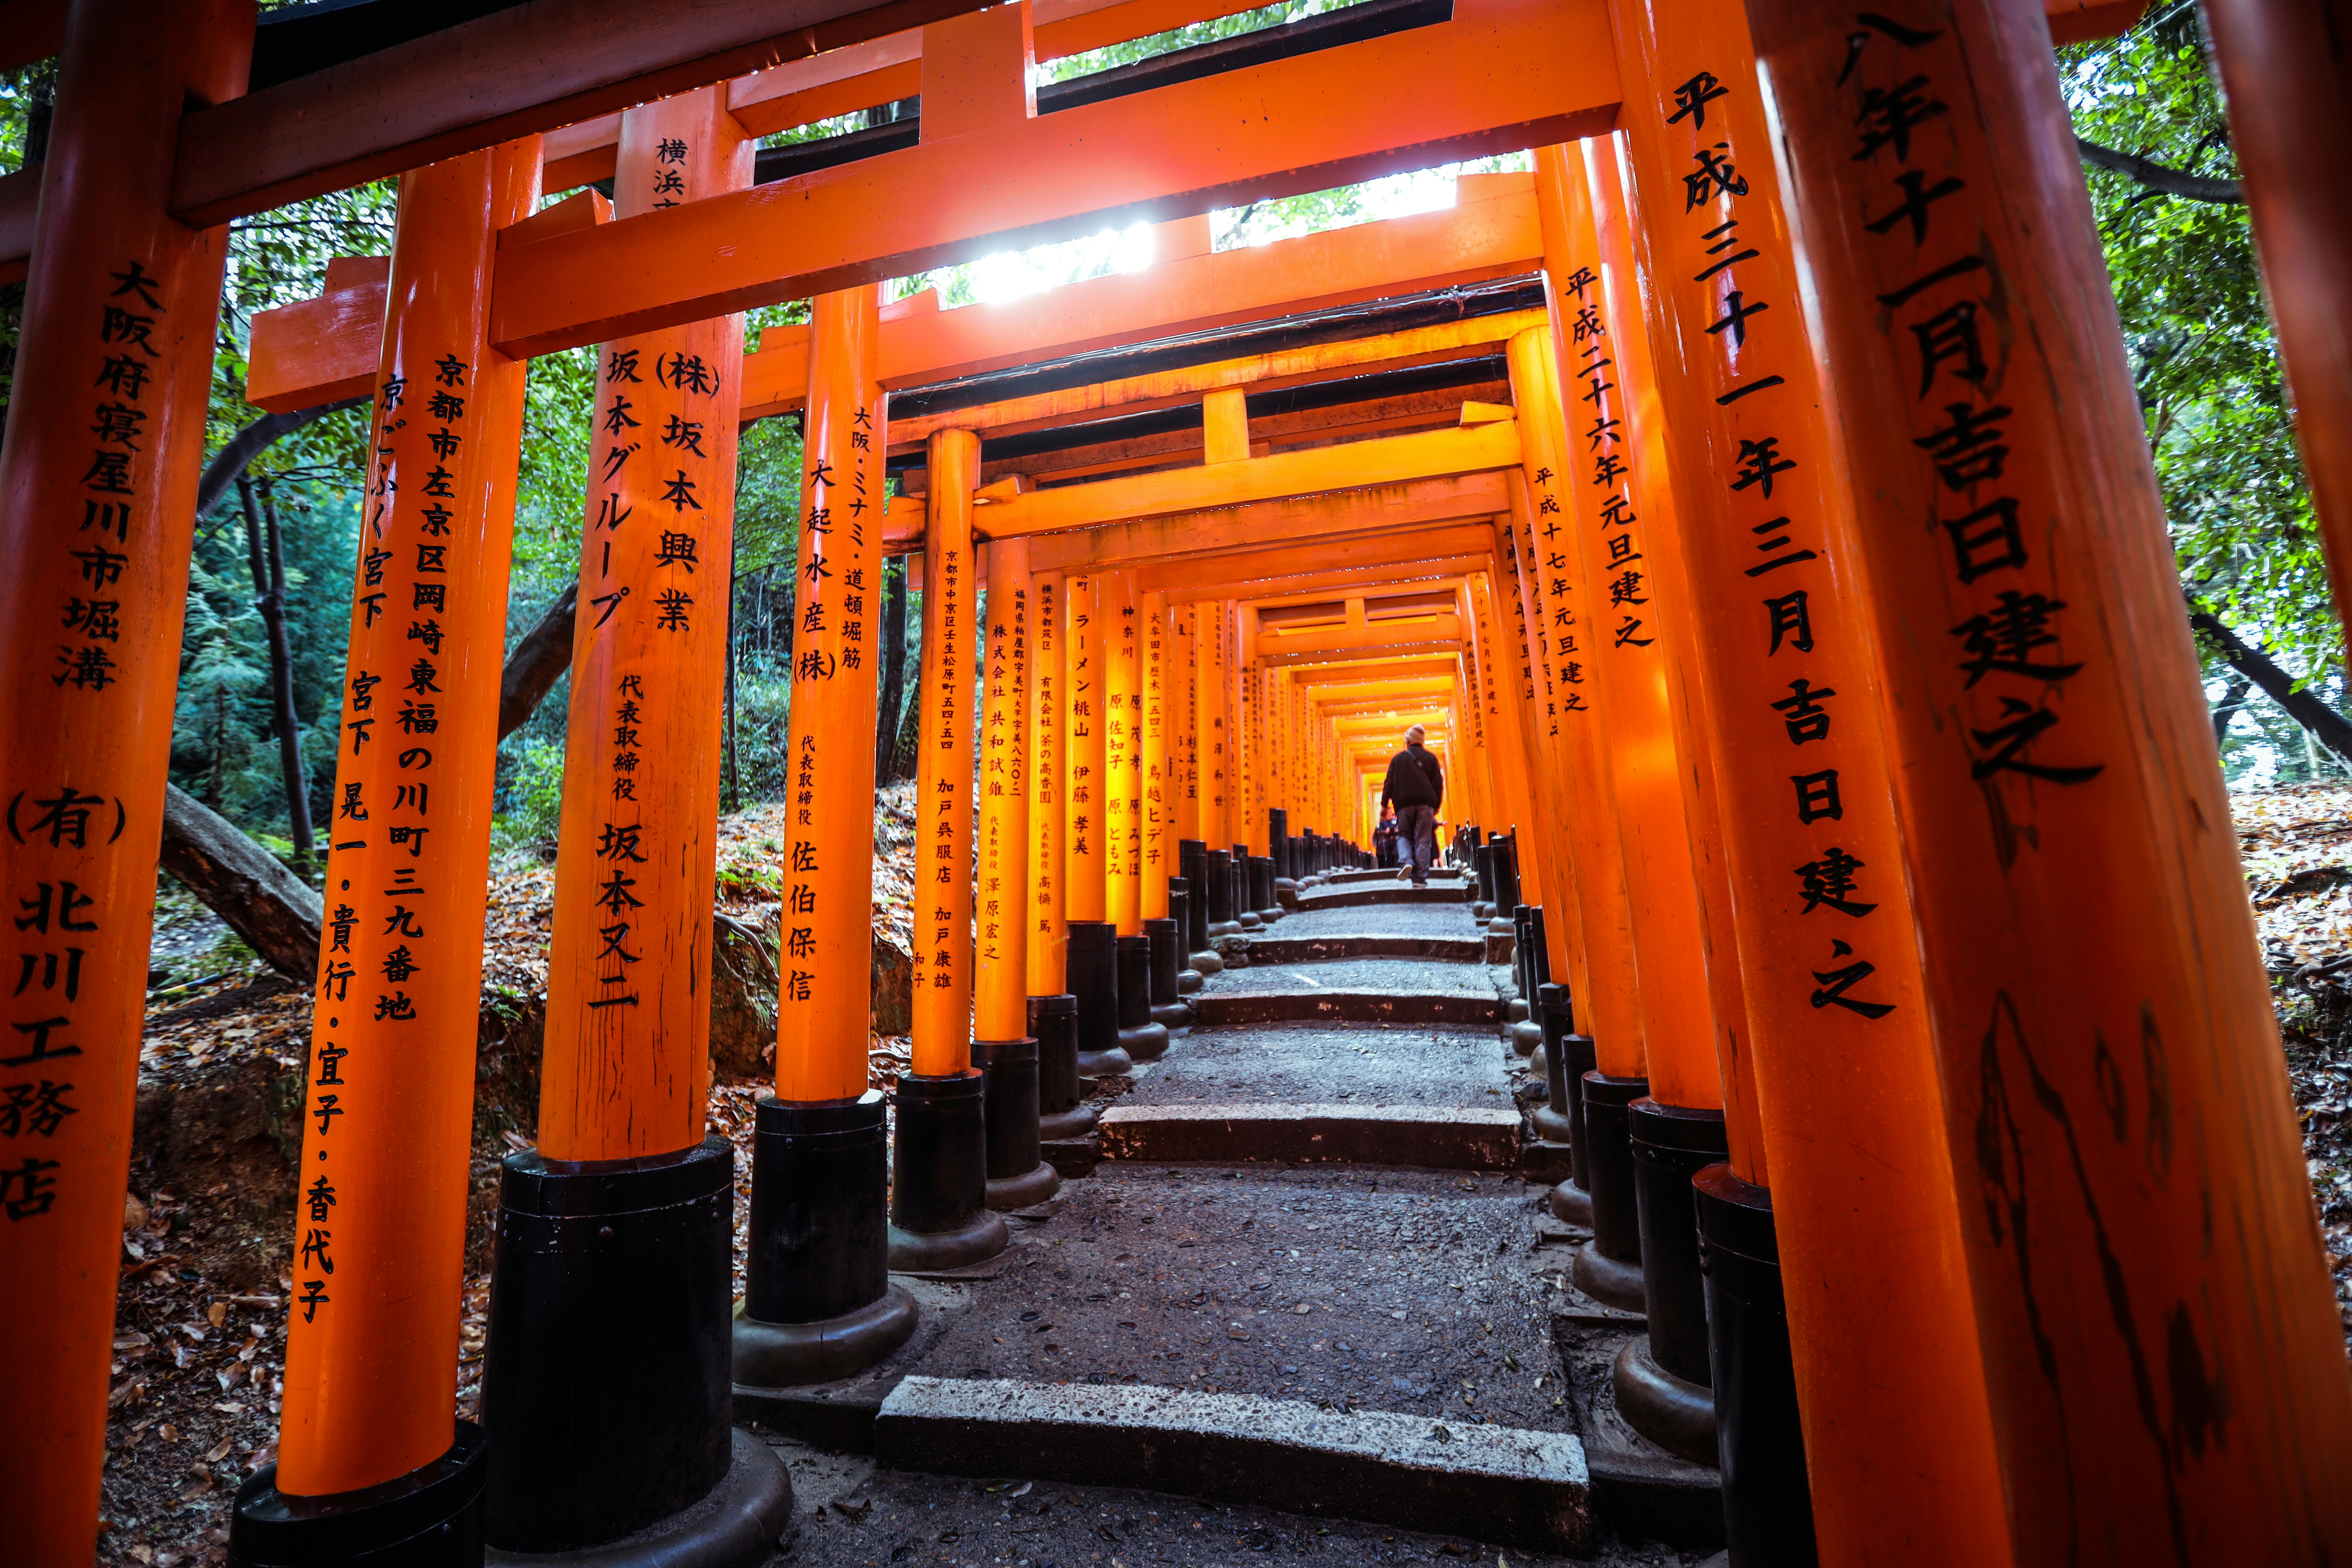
(1414,779)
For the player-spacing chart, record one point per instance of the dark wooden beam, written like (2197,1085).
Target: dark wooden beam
(30,30)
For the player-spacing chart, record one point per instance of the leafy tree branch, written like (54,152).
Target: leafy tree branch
(2157,176)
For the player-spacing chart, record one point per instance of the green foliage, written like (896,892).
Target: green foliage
(2198,334)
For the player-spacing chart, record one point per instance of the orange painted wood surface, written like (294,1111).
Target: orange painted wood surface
(941,919)
(379,1234)
(2131,1181)
(1048,957)
(1001,890)
(826,1008)
(626,1067)
(1494,78)
(1828,952)
(97,480)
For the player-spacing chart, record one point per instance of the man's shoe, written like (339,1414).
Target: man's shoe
(1403,872)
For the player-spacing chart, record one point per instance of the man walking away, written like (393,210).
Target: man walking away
(1416,785)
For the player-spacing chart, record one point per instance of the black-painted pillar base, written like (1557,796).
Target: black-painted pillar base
(1017,1178)
(1167,1008)
(1217,872)
(1608,1268)
(1767,1500)
(1094,980)
(940,1216)
(592,1256)
(818,1303)
(1189,979)
(1061,1114)
(1262,893)
(1237,866)
(1663,1393)
(1139,1036)
(1572,1057)
(430,1517)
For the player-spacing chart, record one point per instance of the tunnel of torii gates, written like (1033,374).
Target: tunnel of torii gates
(1751,499)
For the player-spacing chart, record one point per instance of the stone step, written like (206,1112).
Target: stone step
(1388,873)
(1333,946)
(1427,1137)
(1495,1483)
(1232,1008)
(1385,892)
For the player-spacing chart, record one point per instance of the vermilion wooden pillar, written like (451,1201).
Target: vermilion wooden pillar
(371,1344)
(818,1304)
(1157,819)
(624,1154)
(1882,1332)
(938,1214)
(1084,890)
(2284,67)
(1122,724)
(106,433)
(2164,1356)
(628,1036)
(1626,525)
(1608,619)
(943,844)
(1048,788)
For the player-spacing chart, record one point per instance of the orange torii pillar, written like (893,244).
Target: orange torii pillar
(1123,790)
(1017,1178)
(1860,1207)
(2282,65)
(1091,968)
(1216,767)
(1586,870)
(1192,819)
(818,1302)
(1538,856)
(105,437)
(1676,1128)
(379,1255)
(1622,425)
(1160,926)
(1241,768)
(623,1212)
(1053,1011)
(940,1216)
(2163,1354)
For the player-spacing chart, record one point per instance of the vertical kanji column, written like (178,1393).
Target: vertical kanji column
(1092,963)
(1201,959)
(818,1303)
(940,1216)
(2137,1221)
(1122,806)
(1053,1010)
(371,1344)
(105,437)
(1609,616)
(1216,763)
(1159,789)
(1868,1237)
(623,1214)
(1003,1040)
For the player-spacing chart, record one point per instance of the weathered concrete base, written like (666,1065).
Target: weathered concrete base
(1061,1126)
(739,1523)
(1545,1163)
(1072,1157)
(1610,1280)
(1551,1125)
(1426,1136)
(1516,1011)
(772,1357)
(1643,1492)
(1571,1205)
(839,1413)
(1500,945)
(1678,1417)
(1496,1483)
(1526,1035)
(1172,1015)
(1189,981)
(1205,962)
(938,1251)
(1009,1193)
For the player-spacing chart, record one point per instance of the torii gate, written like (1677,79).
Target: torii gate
(2066,888)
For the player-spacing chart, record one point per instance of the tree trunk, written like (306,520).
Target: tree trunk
(275,912)
(2224,711)
(269,595)
(894,670)
(250,443)
(2326,725)
(544,653)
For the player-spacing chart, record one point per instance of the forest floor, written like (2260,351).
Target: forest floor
(200,1329)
